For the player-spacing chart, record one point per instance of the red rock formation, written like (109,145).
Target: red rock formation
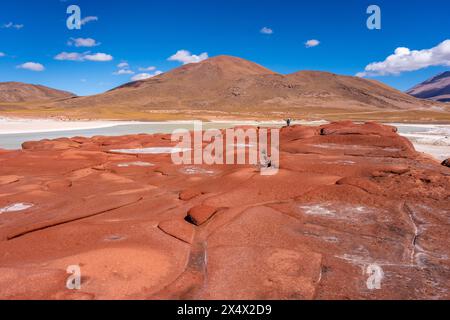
(346,196)
(200,214)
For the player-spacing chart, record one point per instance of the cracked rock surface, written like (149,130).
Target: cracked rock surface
(347,196)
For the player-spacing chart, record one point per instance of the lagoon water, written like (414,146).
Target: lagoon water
(14,141)
(428,138)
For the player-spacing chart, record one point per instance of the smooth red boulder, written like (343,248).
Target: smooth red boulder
(200,214)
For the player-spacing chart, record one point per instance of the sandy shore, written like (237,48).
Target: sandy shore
(19,125)
(22,125)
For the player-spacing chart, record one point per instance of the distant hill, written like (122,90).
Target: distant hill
(232,87)
(227,84)
(14,92)
(436,88)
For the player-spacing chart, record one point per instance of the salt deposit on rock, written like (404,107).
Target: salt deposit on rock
(155,150)
(135,164)
(16,207)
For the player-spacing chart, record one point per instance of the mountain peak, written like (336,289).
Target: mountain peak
(234,63)
(442,75)
(222,66)
(436,88)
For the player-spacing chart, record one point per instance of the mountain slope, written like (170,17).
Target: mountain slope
(227,86)
(14,92)
(232,84)
(436,88)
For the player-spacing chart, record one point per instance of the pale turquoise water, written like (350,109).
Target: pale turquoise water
(433,139)
(14,141)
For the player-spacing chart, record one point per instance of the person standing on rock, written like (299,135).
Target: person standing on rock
(288,122)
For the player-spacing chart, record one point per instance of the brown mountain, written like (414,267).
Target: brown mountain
(14,92)
(436,88)
(227,86)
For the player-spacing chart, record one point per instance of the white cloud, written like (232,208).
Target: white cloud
(122,72)
(88,19)
(32,66)
(83,42)
(151,68)
(186,57)
(266,30)
(2,54)
(70,56)
(361,74)
(13,25)
(123,65)
(75,56)
(124,68)
(143,76)
(312,43)
(101,57)
(404,60)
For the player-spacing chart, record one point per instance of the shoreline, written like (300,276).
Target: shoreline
(14,125)
(228,119)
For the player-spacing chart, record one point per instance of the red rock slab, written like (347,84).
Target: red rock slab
(231,177)
(362,183)
(254,226)
(31,163)
(17,283)
(59,184)
(8,179)
(75,154)
(79,210)
(264,189)
(390,169)
(80,140)
(198,215)
(265,273)
(135,225)
(349,128)
(298,133)
(189,194)
(282,267)
(57,144)
(179,229)
(130,270)
(130,254)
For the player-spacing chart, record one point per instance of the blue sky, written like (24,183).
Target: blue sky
(146,33)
